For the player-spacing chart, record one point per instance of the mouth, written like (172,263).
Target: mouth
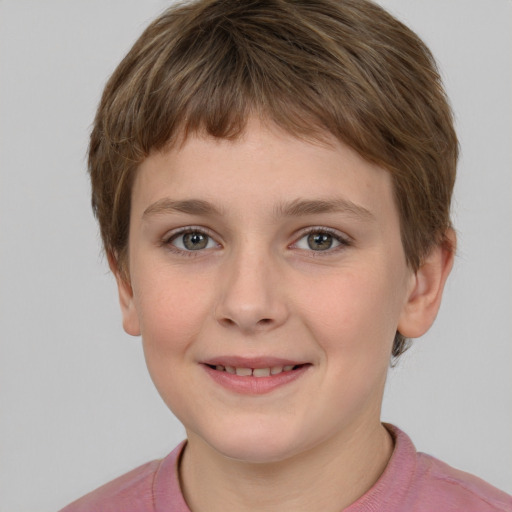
(254,376)
(243,371)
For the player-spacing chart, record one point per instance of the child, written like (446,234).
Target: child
(273,181)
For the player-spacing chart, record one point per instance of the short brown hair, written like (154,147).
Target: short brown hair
(344,67)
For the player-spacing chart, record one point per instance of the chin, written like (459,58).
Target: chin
(254,452)
(257,444)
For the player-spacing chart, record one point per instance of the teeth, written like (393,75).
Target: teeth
(255,372)
(261,372)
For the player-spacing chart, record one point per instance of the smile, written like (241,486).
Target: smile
(255,372)
(254,377)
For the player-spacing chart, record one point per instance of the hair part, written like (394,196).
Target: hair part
(312,67)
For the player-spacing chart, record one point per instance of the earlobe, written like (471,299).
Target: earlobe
(426,291)
(126,300)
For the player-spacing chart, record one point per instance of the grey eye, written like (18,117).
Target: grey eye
(318,241)
(193,241)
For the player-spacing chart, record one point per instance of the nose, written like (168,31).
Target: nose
(251,297)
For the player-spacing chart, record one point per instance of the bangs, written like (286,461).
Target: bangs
(211,72)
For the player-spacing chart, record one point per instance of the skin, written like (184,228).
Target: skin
(258,289)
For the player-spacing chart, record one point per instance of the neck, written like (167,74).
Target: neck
(328,477)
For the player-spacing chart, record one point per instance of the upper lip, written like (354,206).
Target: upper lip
(251,362)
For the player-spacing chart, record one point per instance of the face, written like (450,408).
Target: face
(267,278)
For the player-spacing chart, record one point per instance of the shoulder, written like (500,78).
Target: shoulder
(418,482)
(138,490)
(456,489)
(121,492)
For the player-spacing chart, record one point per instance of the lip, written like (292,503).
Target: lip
(252,362)
(254,385)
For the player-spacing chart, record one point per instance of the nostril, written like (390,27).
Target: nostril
(264,321)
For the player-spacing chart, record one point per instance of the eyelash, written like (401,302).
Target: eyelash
(167,241)
(343,241)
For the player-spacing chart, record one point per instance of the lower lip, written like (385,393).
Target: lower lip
(255,385)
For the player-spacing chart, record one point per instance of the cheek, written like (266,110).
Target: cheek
(356,314)
(171,311)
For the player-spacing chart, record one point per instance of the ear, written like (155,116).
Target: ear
(126,300)
(426,290)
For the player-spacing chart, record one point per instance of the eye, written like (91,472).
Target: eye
(192,240)
(320,240)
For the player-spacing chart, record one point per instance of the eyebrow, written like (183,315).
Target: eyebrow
(295,208)
(300,207)
(190,206)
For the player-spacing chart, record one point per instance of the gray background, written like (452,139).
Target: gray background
(76,405)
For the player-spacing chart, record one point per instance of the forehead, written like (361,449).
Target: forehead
(264,167)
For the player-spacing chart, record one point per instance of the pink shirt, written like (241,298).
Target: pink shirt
(411,482)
